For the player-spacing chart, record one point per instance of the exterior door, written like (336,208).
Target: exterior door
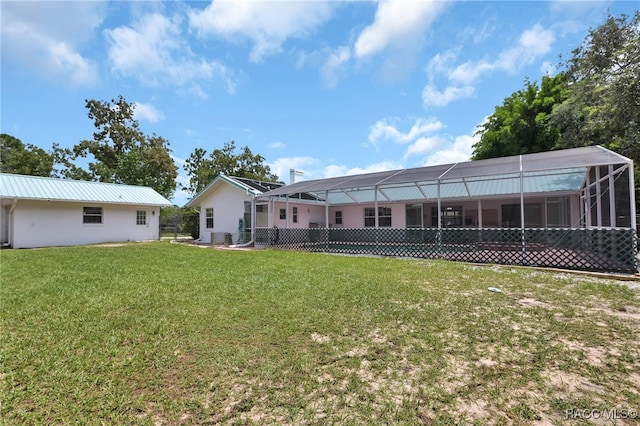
(141,230)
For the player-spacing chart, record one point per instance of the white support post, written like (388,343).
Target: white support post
(521,197)
(286,212)
(587,200)
(253,218)
(326,209)
(326,218)
(632,198)
(375,204)
(439,237)
(612,198)
(439,207)
(598,196)
(522,233)
(480,214)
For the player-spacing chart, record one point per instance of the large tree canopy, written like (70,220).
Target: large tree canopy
(120,152)
(18,158)
(202,169)
(520,124)
(595,100)
(603,76)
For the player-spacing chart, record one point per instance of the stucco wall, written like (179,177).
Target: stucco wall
(228,208)
(51,223)
(353,215)
(308,214)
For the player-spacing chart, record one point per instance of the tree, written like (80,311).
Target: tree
(202,169)
(121,153)
(520,125)
(594,101)
(603,76)
(18,158)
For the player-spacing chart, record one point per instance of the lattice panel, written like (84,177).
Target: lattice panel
(611,250)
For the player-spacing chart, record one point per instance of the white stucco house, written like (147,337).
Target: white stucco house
(225,207)
(43,212)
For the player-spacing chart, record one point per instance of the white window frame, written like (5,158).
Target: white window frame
(141,217)
(338,217)
(384,215)
(208,216)
(92,212)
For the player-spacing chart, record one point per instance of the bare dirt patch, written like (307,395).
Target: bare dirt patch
(534,303)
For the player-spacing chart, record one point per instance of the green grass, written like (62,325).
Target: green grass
(162,333)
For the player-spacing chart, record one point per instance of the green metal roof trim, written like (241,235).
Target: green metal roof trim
(545,172)
(24,187)
(222,178)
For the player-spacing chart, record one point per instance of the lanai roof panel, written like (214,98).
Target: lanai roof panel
(499,174)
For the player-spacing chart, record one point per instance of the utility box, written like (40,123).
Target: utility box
(227,239)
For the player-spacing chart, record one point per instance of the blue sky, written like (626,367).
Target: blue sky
(329,88)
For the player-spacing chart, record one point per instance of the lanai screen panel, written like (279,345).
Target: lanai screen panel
(560,171)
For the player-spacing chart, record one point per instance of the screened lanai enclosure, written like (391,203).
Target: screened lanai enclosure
(572,209)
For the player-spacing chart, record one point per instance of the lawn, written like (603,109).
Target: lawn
(161,333)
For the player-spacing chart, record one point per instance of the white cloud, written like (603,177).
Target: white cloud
(335,65)
(384,131)
(398,24)
(578,8)
(154,52)
(147,112)
(432,97)
(441,63)
(335,170)
(459,150)
(533,43)
(49,39)
(277,145)
(281,166)
(314,169)
(424,145)
(266,24)
(470,71)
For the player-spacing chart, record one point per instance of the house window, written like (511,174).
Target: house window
(451,216)
(208,214)
(558,212)
(414,215)
(141,217)
(338,218)
(384,217)
(283,214)
(92,215)
(295,215)
(511,216)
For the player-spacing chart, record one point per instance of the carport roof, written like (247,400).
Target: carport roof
(553,171)
(23,187)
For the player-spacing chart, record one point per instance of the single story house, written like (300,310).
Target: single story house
(41,212)
(572,208)
(225,207)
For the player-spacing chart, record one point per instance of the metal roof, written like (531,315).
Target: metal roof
(23,187)
(247,185)
(545,172)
